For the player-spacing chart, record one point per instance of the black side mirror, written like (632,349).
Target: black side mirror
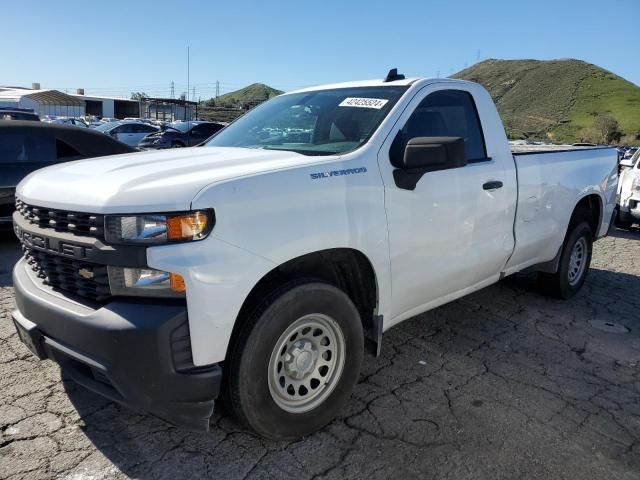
(426,154)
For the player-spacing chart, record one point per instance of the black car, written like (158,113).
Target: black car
(10,113)
(180,134)
(27,146)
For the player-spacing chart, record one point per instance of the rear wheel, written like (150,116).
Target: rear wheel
(295,361)
(574,264)
(177,145)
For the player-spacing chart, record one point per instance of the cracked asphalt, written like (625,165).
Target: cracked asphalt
(504,383)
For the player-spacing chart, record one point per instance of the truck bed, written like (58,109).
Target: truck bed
(551,179)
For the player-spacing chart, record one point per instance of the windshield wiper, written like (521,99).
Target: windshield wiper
(301,151)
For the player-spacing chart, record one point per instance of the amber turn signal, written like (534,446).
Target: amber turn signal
(177,282)
(189,226)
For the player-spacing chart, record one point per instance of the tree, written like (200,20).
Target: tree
(138,95)
(607,129)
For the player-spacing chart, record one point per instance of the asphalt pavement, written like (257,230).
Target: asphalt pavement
(504,383)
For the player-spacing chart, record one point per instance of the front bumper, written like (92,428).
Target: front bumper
(135,352)
(630,210)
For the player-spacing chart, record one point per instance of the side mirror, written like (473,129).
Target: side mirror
(426,154)
(626,163)
(434,153)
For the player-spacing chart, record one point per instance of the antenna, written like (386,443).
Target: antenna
(393,75)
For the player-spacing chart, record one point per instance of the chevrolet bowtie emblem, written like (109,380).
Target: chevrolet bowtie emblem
(85,273)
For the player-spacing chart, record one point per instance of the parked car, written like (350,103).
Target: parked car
(181,134)
(74,122)
(26,146)
(109,120)
(272,264)
(629,162)
(10,113)
(629,152)
(629,192)
(128,132)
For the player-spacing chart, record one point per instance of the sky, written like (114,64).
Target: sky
(116,47)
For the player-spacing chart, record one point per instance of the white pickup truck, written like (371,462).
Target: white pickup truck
(258,267)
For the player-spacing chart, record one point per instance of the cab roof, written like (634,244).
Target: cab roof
(380,83)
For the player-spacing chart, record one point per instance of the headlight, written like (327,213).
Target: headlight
(145,282)
(158,228)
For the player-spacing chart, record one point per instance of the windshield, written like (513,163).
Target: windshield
(322,122)
(105,127)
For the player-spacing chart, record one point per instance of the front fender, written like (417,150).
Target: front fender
(285,214)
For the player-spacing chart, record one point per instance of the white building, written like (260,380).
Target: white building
(54,102)
(43,102)
(112,107)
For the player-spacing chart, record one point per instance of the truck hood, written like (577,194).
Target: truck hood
(165,180)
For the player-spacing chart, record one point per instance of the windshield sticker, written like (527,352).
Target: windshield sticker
(376,103)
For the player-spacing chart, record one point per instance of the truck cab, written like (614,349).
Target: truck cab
(261,265)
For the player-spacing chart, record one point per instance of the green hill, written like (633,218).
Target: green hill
(245,97)
(560,100)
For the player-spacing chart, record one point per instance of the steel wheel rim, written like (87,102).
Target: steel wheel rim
(577,261)
(306,363)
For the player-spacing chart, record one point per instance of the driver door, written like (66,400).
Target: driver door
(450,234)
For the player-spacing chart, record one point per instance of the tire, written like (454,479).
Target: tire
(177,145)
(277,367)
(573,268)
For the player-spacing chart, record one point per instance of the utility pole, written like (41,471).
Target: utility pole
(193,94)
(217,88)
(173,88)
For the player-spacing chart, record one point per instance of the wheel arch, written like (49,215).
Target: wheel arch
(348,269)
(590,208)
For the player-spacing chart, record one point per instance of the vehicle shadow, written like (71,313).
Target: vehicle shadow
(630,233)
(141,446)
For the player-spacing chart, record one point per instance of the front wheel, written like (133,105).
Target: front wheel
(575,260)
(295,361)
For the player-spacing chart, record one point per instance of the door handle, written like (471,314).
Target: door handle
(492,185)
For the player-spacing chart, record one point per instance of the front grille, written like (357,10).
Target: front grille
(62,220)
(67,274)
